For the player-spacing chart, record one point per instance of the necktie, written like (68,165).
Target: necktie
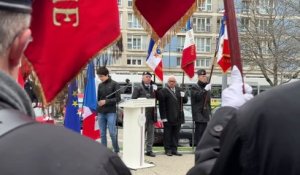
(147,87)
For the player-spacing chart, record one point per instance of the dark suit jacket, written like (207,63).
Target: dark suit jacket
(171,105)
(141,91)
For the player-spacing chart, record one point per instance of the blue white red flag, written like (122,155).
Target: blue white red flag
(189,52)
(90,125)
(223,55)
(154,59)
(72,120)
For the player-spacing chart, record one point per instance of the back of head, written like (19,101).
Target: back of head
(14,36)
(15,16)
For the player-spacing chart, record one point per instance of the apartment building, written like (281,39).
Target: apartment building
(206,24)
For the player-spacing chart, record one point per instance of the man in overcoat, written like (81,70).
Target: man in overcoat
(171,100)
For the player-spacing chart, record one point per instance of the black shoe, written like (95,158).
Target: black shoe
(150,153)
(176,153)
(168,153)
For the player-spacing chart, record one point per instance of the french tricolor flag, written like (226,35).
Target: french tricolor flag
(189,52)
(154,59)
(90,125)
(223,54)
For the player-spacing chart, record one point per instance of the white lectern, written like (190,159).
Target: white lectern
(134,132)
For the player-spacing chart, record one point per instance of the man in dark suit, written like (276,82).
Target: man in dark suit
(28,147)
(147,89)
(171,99)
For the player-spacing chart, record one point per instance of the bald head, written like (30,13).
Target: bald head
(172,81)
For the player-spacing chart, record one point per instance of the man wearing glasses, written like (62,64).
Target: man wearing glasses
(147,89)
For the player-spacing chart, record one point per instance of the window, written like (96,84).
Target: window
(205,6)
(246,6)
(265,3)
(129,4)
(203,62)
(133,23)
(265,6)
(203,44)
(219,24)
(119,2)
(245,24)
(263,24)
(178,61)
(265,45)
(180,43)
(201,24)
(134,61)
(136,42)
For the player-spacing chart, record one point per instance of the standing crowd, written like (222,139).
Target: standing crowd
(170,101)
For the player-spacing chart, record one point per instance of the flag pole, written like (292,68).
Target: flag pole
(213,65)
(234,45)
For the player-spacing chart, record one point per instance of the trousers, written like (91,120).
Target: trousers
(108,120)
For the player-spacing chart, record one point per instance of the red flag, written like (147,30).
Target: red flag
(189,52)
(66,34)
(159,17)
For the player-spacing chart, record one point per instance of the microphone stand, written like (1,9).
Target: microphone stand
(128,85)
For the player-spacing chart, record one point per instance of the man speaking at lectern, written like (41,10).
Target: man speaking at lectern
(108,97)
(147,90)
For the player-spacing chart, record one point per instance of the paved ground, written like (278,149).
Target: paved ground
(164,165)
(167,165)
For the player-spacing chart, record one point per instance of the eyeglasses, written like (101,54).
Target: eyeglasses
(172,81)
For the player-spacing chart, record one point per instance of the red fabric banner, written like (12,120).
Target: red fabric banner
(158,17)
(66,35)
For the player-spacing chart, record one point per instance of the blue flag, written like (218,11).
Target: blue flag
(90,88)
(90,126)
(72,120)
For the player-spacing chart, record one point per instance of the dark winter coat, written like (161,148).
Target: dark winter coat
(12,96)
(141,91)
(208,149)
(171,105)
(200,101)
(262,137)
(108,91)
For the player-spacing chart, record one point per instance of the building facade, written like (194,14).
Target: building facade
(206,25)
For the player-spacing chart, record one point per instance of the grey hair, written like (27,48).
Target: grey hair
(172,77)
(10,25)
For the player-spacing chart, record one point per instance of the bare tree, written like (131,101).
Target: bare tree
(269,38)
